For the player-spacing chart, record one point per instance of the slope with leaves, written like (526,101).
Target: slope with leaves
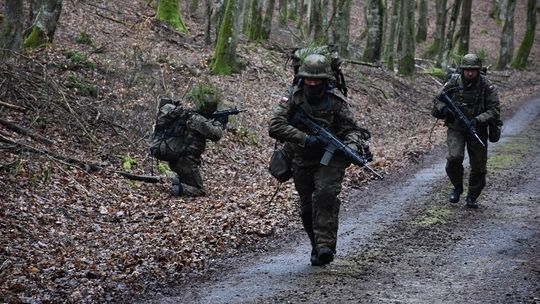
(73,229)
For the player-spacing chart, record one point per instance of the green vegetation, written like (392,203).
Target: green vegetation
(128,162)
(437,72)
(83,87)
(84,38)
(35,40)
(78,60)
(164,168)
(435,215)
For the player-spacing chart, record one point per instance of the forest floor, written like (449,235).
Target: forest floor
(74,229)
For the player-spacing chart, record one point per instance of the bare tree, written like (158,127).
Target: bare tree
(255,24)
(507,36)
(406,56)
(449,43)
(44,15)
(224,60)
(12,27)
(374,24)
(421,33)
(464,28)
(341,25)
(520,61)
(435,50)
(267,20)
(316,33)
(389,49)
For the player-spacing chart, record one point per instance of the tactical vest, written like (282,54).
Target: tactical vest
(470,100)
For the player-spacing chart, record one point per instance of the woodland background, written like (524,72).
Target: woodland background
(79,85)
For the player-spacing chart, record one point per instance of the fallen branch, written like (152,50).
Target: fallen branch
(364,63)
(24,131)
(88,166)
(12,106)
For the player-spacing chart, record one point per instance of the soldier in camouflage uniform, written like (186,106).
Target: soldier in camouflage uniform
(477,97)
(199,128)
(318,186)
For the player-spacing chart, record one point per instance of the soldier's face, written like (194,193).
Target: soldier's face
(313,81)
(470,75)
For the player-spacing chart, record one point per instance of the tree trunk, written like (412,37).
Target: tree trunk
(374,24)
(267,21)
(406,58)
(283,13)
(507,36)
(224,61)
(421,33)
(168,11)
(46,14)
(316,33)
(293,9)
(255,24)
(449,43)
(194,8)
(465,26)
(208,21)
(341,26)
(435,50)
(520,61)
(389,50)
(12,27)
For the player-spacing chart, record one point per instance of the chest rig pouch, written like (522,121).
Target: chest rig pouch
(470,101)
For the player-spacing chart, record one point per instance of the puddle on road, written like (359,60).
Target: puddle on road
(271,274)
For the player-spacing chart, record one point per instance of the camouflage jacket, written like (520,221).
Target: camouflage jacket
(478,101)
(332,113)
(198,130)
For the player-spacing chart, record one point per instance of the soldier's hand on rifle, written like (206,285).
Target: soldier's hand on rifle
(472,124)
(368,156)
(315,141)
(447,113)
(223,120)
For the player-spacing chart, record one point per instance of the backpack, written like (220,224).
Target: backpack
(297,55)
(167,141)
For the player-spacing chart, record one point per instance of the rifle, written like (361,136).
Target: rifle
(333,144)
(459,114)
(223,116)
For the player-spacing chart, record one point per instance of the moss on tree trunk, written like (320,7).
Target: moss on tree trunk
(224,61)
(168,11)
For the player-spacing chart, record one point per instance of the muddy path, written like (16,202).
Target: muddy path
(400,241)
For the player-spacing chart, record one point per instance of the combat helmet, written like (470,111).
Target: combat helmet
(315,66)
(470,62)
(206,98)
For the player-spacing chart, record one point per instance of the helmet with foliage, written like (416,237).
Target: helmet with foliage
(315,66)
(471,62)
(206,98)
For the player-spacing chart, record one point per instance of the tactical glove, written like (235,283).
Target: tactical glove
(368,156)
(472,124)
(314,141)
(223,120)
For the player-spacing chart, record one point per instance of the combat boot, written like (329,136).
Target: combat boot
(176,188)
(454,195)
(471,203)
(324,256)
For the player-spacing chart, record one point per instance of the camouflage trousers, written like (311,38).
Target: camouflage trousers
(318,187)
(457,141)
(189,176)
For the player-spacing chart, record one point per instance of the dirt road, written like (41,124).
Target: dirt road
(400,241)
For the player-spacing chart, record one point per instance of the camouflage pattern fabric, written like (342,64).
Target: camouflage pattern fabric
(198,130)
(478,101)
(318,186)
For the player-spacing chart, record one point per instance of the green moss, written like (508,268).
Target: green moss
(437,72)
(169,12)
(223,62)
(164,168)
(35,40)
(84,38)
(435,215)
(82,87)
(128,162)
(78,59)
